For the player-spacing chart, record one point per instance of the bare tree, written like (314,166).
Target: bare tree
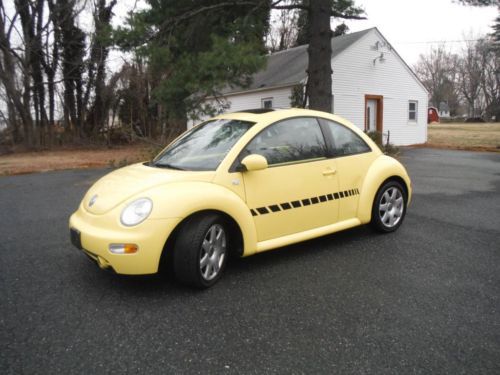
(18,96)
(96,78)
(283,30)
(50,62)
(31,15)
(489,57)
(470,76)
(438,72)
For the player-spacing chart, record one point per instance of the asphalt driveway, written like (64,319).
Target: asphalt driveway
(425,299)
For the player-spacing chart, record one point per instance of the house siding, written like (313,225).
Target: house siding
(252,100)
(355,75)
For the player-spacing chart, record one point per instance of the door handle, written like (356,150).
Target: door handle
(329,172)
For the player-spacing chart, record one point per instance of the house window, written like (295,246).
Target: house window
(267,103)
(412,110)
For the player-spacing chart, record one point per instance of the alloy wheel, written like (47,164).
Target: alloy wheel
(213,252)
(391,207)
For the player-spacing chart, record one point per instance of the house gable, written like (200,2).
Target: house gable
(371,68)
(388,50)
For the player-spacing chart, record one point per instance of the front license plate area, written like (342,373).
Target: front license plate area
(76,238)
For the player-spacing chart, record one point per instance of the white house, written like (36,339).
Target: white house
(444,110)
(372,87)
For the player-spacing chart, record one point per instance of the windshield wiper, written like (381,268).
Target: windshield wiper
(168,166)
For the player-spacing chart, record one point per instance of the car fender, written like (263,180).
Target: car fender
(383,168)
(183,199)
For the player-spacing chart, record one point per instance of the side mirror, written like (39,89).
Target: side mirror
(254,162)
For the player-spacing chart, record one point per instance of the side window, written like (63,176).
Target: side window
(412,110)
(345,141)
(267,103)
(293,140)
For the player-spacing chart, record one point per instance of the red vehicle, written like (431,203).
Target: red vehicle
(432,115)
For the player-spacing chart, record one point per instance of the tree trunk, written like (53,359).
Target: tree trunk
(320,52)
(38,78)
(28,124)
(13,123)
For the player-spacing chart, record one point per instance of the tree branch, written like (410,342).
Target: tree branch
(207,8)
(346,16)
(290,7)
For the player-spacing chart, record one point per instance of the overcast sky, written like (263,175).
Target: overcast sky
(414,26)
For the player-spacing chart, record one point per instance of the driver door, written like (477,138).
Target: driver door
(296,192)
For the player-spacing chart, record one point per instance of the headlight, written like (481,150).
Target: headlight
(136,212)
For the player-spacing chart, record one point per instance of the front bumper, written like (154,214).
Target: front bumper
(94,233)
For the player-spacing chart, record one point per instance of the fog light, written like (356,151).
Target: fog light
(123,248)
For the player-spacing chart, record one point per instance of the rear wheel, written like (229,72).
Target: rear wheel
(201,250)
(389,207)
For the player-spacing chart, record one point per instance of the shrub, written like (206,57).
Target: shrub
(387,148)
(474,119)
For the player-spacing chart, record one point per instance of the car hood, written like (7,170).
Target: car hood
(118,186)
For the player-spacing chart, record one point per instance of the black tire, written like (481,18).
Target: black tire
(391,218)
(190,248)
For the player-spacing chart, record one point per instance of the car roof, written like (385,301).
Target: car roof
(273,115)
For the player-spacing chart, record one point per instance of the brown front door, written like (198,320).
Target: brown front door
(374,113)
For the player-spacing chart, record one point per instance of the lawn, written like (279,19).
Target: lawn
(29,162)
(474,136)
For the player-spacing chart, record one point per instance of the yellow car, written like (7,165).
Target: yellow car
(240,183)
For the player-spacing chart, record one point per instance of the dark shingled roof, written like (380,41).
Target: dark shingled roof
(288,67)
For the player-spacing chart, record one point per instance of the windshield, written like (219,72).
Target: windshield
(203,147)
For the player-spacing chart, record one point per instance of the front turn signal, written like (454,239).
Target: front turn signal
(123,248)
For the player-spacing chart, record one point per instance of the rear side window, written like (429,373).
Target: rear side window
(293,140)
(345,141)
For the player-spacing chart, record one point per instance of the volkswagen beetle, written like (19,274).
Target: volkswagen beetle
(240,183)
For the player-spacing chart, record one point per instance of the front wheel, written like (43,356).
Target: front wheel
(201,250)
(389,207)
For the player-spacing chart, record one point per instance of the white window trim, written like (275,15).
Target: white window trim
(263,100)
(410,111)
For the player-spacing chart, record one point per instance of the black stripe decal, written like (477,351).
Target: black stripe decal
(285,206)
(262,210)
(304,202)
(275,208)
